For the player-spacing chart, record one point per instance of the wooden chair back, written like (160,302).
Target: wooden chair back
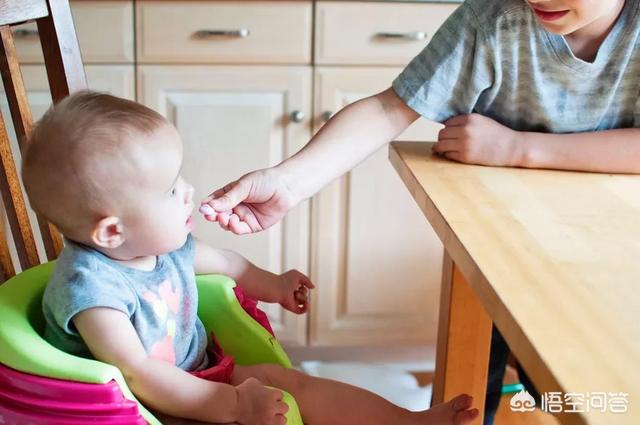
(65,73)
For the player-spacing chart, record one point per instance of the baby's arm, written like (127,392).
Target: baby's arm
(288,289)
(477,139)
(112,338)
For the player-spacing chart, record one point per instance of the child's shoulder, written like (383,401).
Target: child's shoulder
(78,266)
(76,257)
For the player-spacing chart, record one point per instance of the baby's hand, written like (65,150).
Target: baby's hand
(295,290)
(259,405)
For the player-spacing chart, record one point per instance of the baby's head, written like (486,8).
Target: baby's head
(569,16)
(106,172)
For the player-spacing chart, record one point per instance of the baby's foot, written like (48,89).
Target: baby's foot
(456,411)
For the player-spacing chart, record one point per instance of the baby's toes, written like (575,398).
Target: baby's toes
(463,417)
(461,402)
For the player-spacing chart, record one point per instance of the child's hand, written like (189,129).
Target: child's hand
(259,405)
(295,290)
(476,139)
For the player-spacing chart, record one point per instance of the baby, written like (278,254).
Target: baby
(106,172)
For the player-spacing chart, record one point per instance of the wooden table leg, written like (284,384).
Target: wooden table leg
(464,340)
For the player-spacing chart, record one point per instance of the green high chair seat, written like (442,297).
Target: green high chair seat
(23,349)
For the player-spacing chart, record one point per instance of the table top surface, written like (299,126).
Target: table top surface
(554,257)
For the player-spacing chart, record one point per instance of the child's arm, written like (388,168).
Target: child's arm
(477,139)
(349,137)
(288,289)
(112,339)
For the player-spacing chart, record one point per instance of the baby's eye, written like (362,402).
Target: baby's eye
(173,191)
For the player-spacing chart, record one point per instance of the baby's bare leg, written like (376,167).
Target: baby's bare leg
(323,401)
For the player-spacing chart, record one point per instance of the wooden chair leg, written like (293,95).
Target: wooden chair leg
(464,340)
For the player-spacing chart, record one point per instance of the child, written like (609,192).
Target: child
(106,172)
(522,83)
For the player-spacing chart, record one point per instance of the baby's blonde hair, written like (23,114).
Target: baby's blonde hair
(77,158)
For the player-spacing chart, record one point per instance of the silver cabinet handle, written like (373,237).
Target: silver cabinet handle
(326,116)
(240,33)
(297,116)
(24,33)
(410,36)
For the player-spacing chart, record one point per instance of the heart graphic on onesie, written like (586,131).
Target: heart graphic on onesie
(163,350)
(171,297)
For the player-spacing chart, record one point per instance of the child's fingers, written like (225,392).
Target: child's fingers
(213,195)
(223,219)
(208,212)
(307,283)
(451,133)
(238,227)
(457,121)
(447,145)
(302,308)
(455,156)
(246,215)
(234,193)
(300,297)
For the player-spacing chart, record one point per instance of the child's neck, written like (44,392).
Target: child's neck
(144,263)
(586,41)
(140,263)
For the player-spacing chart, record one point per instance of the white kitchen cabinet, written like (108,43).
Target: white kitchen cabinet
(376,262)
(235,119)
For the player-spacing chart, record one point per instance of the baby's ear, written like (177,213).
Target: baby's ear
(107,233)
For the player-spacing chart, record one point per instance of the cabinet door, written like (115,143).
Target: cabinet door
(234,120)
(375,259)
(115,79)
(104,29)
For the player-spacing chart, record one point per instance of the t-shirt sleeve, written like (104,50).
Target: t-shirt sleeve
(83,289)
(448,76)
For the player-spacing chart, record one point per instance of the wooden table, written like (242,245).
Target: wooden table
(552,258)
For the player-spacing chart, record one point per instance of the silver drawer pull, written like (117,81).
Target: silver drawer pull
(297,116)
(411,36)
(241,33)
(25,33)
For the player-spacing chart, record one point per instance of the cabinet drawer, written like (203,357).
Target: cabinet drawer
(104,30)
(375,33)
(224,32)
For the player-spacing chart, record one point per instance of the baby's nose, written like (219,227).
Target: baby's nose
(188,194)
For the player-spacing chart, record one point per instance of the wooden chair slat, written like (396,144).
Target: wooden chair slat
(14,204)
(51,238)
(14,87)
(65,73)
(12,12)
(61,51)
(6,264)
(23,122)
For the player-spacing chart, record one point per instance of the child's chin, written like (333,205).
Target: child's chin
(176,245)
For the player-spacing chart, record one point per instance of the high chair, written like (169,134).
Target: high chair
(40,384)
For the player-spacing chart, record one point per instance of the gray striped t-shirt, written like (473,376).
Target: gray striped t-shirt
(494,58)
